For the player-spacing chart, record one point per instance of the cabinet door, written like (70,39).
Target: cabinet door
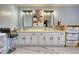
(71,43)
(55,39)
(34,40)
(21,40)
(17,41)
(28,40)
(72,37)
(48,40)
(61,38)
(42,40)
(62,41)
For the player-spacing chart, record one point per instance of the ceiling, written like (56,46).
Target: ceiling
(44,5)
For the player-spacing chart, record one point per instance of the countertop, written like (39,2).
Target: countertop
(45,30)
(2,34)
(40,30)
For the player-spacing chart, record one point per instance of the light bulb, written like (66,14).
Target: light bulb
(48,13)
(45,13)
(23,13)
(27,13)
(30,13)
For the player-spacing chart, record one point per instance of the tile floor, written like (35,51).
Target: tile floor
(46,50)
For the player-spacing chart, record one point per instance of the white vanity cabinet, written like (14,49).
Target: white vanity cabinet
(41,38)
(51,38)
(61,38)
(21,40)
(55,38)
(72,39)
(28,40)
(34,39)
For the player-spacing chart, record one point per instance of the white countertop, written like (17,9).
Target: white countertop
(2,34)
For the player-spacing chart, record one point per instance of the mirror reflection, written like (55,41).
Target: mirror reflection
(38,18)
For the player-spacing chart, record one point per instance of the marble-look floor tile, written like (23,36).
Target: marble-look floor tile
(46,50)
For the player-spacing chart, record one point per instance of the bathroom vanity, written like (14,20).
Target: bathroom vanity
(47,37)
(41,37)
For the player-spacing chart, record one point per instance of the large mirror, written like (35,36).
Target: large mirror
(38,18)
(27,18)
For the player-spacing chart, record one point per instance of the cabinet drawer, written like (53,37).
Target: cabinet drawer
(72,36)
(1,42)
(71,43)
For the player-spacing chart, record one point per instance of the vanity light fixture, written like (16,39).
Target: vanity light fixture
(28,12)
(23,13)
(48,12)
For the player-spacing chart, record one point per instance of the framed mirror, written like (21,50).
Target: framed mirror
(27,18)
(38,18)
